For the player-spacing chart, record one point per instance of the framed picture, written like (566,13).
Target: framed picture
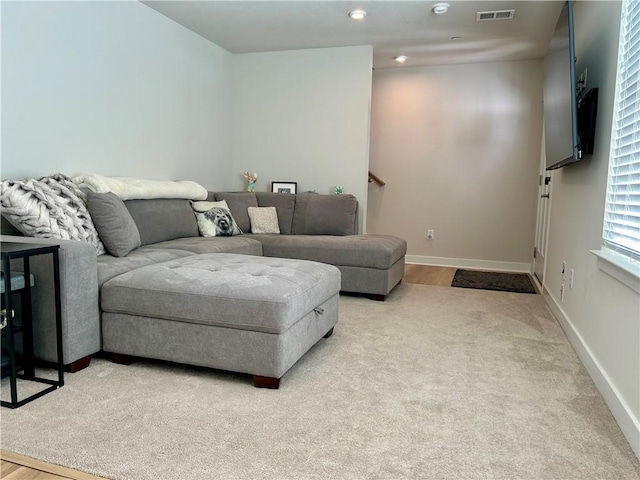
(284,187)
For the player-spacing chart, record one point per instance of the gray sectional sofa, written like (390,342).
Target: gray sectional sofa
(285,304)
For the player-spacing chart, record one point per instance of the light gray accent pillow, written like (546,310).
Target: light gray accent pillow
(325,215)
(50,207)
(114,223)
(263,219)
(238,204)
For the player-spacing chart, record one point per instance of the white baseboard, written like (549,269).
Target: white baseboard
(469,263)
(622,413)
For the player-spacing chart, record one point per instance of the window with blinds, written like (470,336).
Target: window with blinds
(622,211)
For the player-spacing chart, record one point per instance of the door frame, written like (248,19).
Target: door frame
(543,217)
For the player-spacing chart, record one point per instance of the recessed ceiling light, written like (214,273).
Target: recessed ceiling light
(456,38)
(401,58)
(357,14)
(440,8)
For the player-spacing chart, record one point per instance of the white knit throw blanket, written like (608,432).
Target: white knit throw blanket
(50,207)
(137,188)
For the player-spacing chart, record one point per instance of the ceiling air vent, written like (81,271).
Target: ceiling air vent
(495,15)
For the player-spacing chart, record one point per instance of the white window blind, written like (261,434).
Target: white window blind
(622,211)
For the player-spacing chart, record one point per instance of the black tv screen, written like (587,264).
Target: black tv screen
(562,142)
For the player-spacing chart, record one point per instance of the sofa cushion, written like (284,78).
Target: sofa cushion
(325,215)
(113,221)
(242,244)
(217,222)
(238,204)
(263,220)
(370,251)
(110,266)
(285,203)
(203,206)
(50,207)
(163,219)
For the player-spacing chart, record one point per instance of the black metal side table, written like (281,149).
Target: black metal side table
(10,251)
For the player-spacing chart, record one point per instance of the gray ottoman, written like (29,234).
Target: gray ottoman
(242,313)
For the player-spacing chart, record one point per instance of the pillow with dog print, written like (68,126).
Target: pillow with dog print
(217,222)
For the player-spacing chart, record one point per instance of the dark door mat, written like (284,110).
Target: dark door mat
(504,282)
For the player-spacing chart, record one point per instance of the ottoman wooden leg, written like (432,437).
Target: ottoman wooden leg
(266,382)
(121,359)
(378,297)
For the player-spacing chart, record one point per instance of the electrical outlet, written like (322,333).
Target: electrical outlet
(571,279)
(562,292)
(430,235)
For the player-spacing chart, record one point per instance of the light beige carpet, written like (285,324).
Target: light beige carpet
(435,383)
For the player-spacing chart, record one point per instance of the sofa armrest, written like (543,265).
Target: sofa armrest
(78,296)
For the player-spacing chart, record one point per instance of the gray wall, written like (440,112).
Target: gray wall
(600,314)
(303,116)
(117,88)
(114,88)
(459,148)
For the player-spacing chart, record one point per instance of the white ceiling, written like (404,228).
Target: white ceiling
(391,27)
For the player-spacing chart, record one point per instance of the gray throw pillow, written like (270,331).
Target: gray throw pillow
(284,204)
(325,215)
(238,205)
(162,219)
(114,223)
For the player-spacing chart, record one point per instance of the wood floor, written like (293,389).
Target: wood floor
(427,275)
(19,467)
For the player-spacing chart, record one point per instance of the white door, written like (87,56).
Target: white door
(542,227)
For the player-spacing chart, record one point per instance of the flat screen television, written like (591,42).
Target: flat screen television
(562,142)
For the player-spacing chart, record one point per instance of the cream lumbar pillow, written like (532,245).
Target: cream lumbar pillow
(263,219)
